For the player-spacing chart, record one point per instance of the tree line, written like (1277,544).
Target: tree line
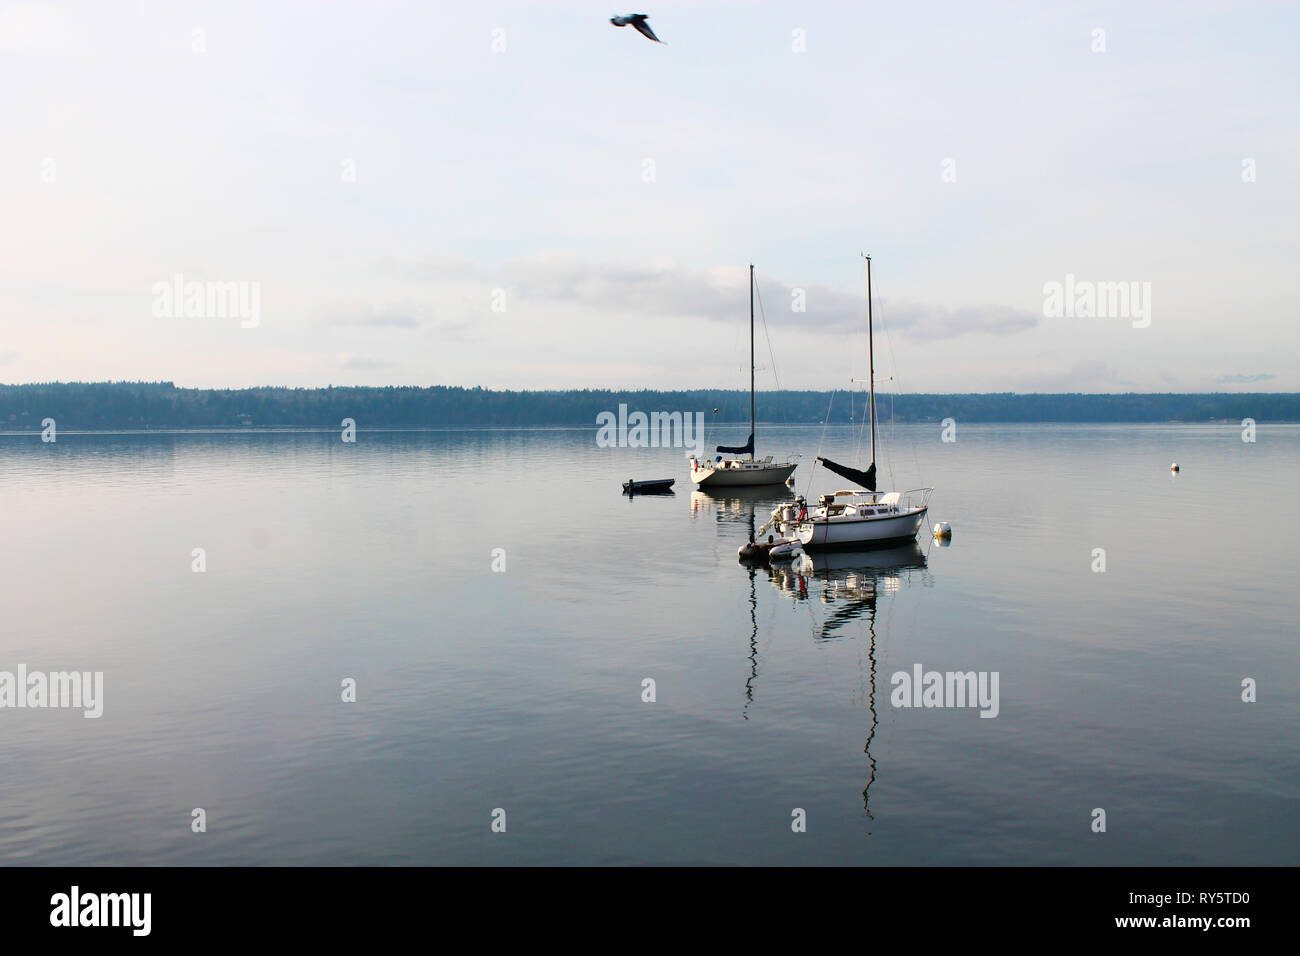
(102,405)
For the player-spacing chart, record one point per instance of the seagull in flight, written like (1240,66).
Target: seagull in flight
(637,20)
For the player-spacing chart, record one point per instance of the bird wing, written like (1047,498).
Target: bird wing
(643,28)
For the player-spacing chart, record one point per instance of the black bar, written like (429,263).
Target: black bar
(979,906)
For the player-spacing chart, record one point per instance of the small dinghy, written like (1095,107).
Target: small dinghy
(658,486)
(761,552)
(786,550)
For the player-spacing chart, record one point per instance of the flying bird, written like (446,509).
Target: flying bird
(637,20)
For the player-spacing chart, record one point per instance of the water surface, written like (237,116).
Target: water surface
(522,690)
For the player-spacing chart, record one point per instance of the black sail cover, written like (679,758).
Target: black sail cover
(745,449)
(867,479)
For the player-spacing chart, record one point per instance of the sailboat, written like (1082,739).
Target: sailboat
(731,472)
(856,519)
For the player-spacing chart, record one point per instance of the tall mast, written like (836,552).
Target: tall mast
(751,361)
(871,363)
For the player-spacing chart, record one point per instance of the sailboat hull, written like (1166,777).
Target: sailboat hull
(860,533)
(742,474)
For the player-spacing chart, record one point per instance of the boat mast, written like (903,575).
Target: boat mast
(871,362)
(751,362)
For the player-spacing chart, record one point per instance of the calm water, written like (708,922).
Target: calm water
(522,690)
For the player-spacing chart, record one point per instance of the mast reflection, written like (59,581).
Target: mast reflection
(850,584)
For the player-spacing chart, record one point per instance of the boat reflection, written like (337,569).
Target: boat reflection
(850,584)
(738,505)
(850,580)
(736,509)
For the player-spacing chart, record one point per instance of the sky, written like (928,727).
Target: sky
(521,195)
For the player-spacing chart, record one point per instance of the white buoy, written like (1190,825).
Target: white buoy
(943,530)
(1174,466)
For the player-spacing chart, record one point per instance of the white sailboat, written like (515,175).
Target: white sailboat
(733,472)
(856,519)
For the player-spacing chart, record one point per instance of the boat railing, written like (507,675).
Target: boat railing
(902,501)
(915,499)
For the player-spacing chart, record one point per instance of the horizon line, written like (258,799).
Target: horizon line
(595,388)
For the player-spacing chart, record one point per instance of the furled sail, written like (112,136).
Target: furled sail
(745,449)
(867,479)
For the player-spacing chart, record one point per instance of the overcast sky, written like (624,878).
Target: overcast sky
(418,205)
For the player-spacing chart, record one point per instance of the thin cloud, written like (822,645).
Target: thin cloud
(372,320)
(1238,378)
(31,27)
(362,363)
(721,295)
(935,322)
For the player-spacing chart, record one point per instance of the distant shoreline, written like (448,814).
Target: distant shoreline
(432,429)
(159,406)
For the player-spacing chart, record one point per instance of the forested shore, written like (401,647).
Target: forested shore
(105,405)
